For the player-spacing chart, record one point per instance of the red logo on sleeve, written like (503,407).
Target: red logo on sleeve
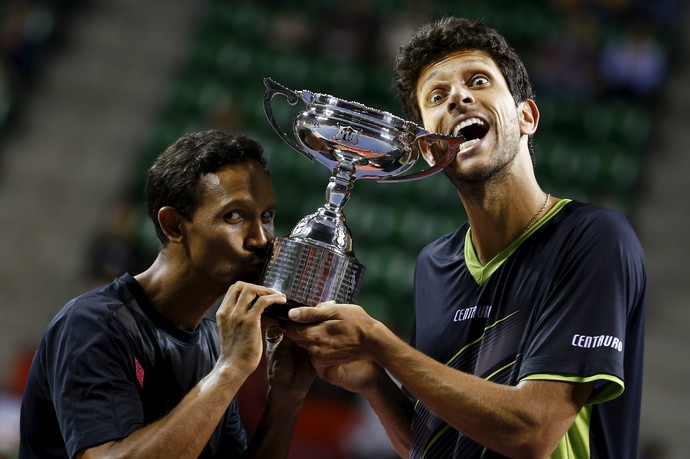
(140,372)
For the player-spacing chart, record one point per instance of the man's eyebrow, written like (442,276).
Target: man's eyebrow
(428,77)
(469,62)
(237,201)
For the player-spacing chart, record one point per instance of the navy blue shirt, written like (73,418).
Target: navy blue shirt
(109,364)
(563,302)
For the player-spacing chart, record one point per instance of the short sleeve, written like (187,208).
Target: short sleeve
(583,322)
(93,379)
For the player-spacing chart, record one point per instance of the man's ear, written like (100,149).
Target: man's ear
(171,223)
(529,117)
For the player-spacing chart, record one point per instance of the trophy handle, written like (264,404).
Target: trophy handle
(273,88)
(424,141)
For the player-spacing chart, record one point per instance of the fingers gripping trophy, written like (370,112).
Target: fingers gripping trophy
(316,262)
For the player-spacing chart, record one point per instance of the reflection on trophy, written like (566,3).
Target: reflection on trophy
(316,262)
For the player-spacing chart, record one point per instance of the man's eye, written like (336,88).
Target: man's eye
(436,98)
(232,216)
(480,81)
(268,216)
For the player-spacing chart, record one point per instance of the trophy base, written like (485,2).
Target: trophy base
(309,274)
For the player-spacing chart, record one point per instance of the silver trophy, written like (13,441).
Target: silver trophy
(316,262)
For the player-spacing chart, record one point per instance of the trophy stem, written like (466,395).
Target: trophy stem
(340,185)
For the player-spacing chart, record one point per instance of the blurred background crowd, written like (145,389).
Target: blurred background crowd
(92,90)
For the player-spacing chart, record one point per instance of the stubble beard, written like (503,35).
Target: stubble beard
(493,173)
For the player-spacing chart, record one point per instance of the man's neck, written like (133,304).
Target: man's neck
(176,294)
(499,214)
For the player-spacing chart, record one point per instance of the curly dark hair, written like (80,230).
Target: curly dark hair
(174,176)
(435,40)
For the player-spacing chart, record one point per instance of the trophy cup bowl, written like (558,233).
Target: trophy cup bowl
(316,262)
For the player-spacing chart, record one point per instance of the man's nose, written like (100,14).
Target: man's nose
(260,235)
(459,97)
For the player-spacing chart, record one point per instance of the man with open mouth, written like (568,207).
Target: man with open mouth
(529,318)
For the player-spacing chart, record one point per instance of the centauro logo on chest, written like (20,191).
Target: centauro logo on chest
(475,312)
(597,341)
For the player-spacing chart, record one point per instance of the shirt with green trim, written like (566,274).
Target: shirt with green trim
(564,302)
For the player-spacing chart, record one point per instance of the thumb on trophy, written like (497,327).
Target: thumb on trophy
(307,315)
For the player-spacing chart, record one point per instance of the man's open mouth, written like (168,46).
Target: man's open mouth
(473,130)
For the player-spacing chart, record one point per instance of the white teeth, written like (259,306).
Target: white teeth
(469,144)
(465,123)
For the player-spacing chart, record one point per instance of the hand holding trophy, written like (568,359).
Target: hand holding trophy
(316,262)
